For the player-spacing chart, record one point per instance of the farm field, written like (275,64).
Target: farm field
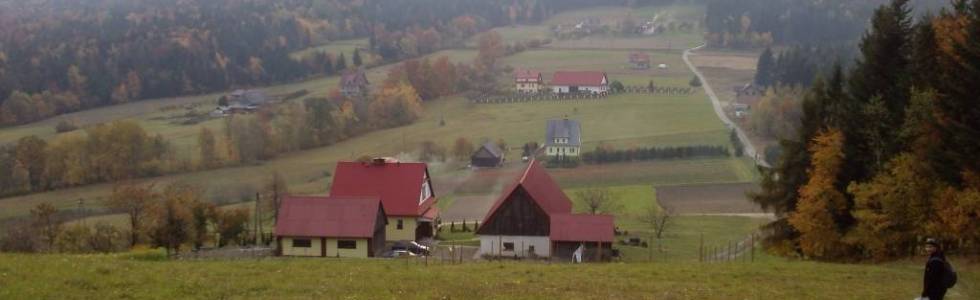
(143,276)
(623,121)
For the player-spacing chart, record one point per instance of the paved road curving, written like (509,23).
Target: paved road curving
(749,149)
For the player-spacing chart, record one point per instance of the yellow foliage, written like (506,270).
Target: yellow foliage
(819,200)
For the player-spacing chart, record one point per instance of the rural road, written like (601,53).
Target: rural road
(749,149)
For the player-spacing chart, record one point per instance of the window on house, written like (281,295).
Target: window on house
(302,243)
(346,244)
(508,246)
(400,224)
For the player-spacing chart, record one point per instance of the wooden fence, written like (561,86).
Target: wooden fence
(545,96)
(730,251)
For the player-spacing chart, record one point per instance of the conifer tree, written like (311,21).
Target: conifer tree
(959,110)
(764,68)
(341,63)
(356,59)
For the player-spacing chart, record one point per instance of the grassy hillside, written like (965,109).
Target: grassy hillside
(143,277)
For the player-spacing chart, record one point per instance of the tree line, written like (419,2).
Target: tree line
(885,154)
(171,217)
(604,154)
(59,57)
(102,153)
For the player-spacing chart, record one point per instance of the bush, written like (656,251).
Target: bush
(695,82)
(19,237)
(74,239)
(65,126)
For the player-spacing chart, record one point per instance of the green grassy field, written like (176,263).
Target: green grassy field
(336,48)
(129,276)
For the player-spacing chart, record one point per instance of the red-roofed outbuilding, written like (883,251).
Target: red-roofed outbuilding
(330,226)
(580,82)
(533,218)
(405,190)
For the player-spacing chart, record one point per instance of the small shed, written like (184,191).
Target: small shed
(488,156)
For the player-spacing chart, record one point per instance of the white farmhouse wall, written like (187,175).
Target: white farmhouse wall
(493,244)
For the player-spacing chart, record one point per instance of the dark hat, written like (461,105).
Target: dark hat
(932,241)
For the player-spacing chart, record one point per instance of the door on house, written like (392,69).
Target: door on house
(573,89)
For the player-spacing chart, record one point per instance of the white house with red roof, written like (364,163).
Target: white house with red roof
(405,190)
(533,218)
(579,82)
(528,81)
(330,226)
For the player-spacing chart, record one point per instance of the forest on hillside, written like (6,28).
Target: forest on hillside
(59,56)
(761,23)
(885,153)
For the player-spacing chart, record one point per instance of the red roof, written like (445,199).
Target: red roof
(347,217)
(639,57)
(542,189)
(579,78)
(527,75)
(399,185)
(582,228)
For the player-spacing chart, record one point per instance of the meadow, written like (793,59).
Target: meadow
(147,276)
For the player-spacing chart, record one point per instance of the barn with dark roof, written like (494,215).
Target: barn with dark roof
(533,218)
(488,156)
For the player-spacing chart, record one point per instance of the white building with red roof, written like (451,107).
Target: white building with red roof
(405,190)
(579,82)
(533,218)
(330,226)
(528,81)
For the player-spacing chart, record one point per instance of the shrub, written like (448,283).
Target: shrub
(65,126)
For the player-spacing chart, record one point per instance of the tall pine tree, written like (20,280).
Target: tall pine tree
(882,72)
(959,109)
(764,69)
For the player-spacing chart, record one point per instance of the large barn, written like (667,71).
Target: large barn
(579,82)
(533,219)
(330,226)
(405,189)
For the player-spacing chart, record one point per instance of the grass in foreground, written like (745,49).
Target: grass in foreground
(144,277)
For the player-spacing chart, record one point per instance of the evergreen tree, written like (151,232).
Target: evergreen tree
(341,63)
(764,69)
(882,72)
(925,69)
(357,57)
(959,108)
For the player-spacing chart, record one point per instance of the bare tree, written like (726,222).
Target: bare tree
(135,201)
(276,188)
(658,219)
(47,222)
(598,200)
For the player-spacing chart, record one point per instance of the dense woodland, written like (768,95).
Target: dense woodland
(64,56)
(885,154)
(761,23)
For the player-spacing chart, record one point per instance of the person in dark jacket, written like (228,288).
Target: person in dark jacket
(933,286)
